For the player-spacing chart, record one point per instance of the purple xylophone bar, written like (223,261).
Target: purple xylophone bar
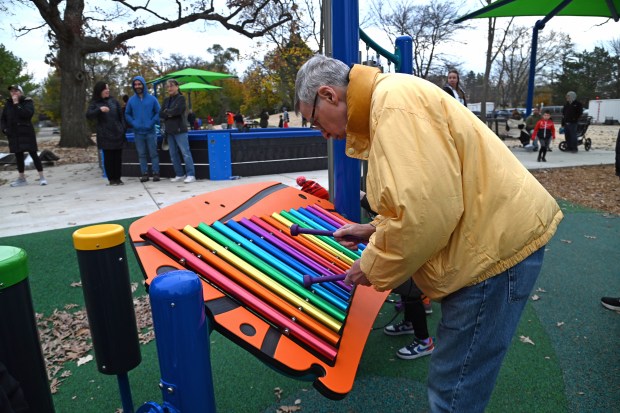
(309,279)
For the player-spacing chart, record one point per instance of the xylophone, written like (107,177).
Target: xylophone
(253,271)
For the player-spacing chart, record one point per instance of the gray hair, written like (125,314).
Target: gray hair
(318,71)
(571,96)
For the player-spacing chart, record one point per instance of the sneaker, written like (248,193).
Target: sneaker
(416,349)
(119,182)
(404,327)
(144,178)
(42,181)
(156,178)
(190,179)
(613,303)
(177,179)
(428,308)
(19,182)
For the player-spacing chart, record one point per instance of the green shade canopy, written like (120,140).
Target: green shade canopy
(513,8)
(192,75)
(187,87)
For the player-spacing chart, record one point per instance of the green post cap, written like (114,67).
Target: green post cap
(13,266)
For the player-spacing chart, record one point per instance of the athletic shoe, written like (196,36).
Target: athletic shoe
(144,178)
(404,327)
(613,303)
(177,179)
(416,349)
(19,182)
(428,308)
(190,179)
(42,181)
(156,178)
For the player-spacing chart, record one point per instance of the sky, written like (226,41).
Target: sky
(193,39)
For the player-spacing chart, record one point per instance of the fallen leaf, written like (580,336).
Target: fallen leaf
(84,360)
(535,297)
(541,290)
(560,323)
(590,236)
(566,241)
(526,340)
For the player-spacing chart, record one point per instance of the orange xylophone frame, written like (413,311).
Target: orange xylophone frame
(333,378)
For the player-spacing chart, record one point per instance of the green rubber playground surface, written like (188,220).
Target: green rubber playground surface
(573,364)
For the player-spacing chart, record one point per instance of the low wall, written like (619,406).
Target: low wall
(223,154)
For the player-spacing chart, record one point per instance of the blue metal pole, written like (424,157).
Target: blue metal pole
(347,171)
(404,51)
(530,86)
(182,335)
(125,391)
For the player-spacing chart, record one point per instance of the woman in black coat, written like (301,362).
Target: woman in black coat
(110,130)
(16,123)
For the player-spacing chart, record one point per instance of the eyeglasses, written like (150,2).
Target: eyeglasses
(312,120)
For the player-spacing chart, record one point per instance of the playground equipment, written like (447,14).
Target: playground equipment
(20,350)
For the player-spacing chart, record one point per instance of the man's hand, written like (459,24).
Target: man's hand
(355,276)
(104,109)
(345,235)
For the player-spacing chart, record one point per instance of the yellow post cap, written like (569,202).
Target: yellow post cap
(97,237)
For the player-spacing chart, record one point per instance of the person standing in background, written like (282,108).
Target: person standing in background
(453,87)
(16,124)
(173,115)
(142,114)
(107,112)
(572,111)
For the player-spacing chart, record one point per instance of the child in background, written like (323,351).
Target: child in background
(544,131)
(312,188)
(415,306)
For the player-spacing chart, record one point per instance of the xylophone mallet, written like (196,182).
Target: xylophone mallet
(309,280)
(296,230)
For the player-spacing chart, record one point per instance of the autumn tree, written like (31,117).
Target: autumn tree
(76,31)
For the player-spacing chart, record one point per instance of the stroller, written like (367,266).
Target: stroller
(582,128)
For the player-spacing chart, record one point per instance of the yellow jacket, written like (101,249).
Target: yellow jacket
(455,205)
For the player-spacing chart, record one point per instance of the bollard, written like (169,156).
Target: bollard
(20,349)
(182,336)
(109,303)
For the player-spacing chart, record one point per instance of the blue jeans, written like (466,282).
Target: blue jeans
(475,331)
(147,142)
(180,143)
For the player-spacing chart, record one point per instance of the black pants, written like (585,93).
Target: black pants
(112,163)
(414,308)
(20,158)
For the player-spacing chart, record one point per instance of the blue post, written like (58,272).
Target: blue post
(347,171)
(530,86)
(404,50)
(182,335)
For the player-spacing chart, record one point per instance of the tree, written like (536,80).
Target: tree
(589,74)
(76,31)
(13,71)
(428,25)
(512,68)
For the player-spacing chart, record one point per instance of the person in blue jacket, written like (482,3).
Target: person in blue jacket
(142,114)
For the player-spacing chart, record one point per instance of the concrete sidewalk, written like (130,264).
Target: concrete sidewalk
(77,194)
